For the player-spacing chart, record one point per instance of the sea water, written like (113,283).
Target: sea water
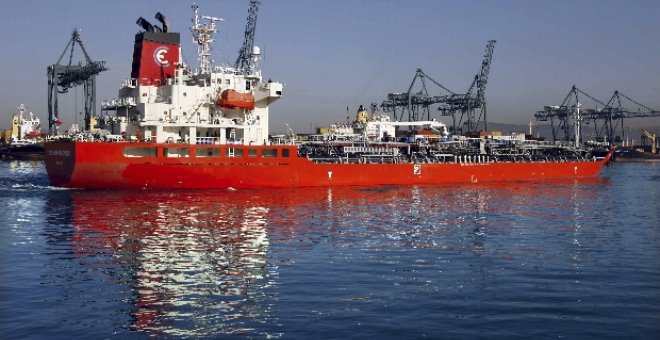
(548,259)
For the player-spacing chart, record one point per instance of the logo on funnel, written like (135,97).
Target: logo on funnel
(159,56)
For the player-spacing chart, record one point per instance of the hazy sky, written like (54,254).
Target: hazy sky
(339,53)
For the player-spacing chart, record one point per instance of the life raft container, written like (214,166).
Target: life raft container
(230,99)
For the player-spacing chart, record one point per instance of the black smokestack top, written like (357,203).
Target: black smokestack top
(145,24)
(166,24)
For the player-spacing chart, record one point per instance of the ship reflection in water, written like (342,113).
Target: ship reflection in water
(201,263)
(197,262)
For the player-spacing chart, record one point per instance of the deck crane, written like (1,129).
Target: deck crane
(245,59)
(61,78)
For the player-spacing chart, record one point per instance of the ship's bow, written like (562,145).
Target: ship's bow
(60,160)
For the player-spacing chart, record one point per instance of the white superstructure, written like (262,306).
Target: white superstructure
(25,127)
(211,105)
(379,127)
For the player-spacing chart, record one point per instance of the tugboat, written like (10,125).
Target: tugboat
(207,128)
(24,139)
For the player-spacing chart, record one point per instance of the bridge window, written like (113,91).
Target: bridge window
(252,152)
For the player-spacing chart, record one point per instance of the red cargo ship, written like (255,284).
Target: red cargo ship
(176,127)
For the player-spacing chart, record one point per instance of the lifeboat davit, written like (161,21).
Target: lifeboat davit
(230,99)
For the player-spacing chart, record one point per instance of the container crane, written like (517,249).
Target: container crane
(651,138)
(417,104)
(482,79)
(615,112)
(569,115)
(245,59)
(606,117)
(468,103)
(61,78)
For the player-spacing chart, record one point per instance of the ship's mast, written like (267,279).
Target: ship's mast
(203,36)
(577,125)
(21,110)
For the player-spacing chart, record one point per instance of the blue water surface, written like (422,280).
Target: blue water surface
(552,259)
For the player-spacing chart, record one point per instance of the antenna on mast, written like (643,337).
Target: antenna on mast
(203,37)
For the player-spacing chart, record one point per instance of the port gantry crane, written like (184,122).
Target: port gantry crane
(614,114)
(606,117)
(245,60)
(651,138)
(61,78)
(469,102)
(416,104)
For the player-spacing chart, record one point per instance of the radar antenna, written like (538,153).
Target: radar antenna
(203,37)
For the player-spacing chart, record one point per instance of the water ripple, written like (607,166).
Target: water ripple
(548,259)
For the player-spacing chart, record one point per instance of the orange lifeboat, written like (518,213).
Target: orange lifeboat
(33,134)
(230,99)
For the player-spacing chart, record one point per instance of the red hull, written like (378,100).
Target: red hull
(103,165)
